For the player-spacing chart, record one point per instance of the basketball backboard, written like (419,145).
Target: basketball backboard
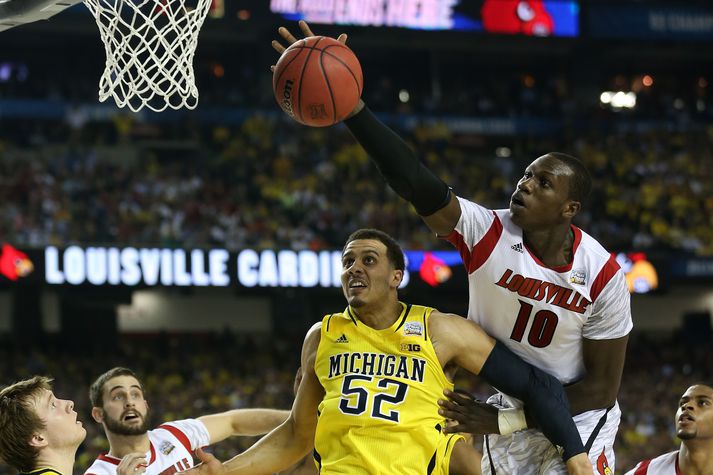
(18,12)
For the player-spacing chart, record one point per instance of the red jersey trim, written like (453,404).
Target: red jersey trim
(603,278)
(179,435)
(474,258)
(644,468)
(575,245)
(108,458)
(678,470)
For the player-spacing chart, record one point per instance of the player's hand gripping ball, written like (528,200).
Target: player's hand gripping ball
(318,81)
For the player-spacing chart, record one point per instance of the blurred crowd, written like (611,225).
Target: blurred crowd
(271,183)
(190,376)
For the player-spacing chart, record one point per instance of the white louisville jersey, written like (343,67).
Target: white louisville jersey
(171,449)
(541,313)
(666,464)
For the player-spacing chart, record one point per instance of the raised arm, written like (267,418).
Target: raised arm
(292,439)
(462,342)
(396,161)
(242,422)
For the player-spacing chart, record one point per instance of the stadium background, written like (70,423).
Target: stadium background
(269,199)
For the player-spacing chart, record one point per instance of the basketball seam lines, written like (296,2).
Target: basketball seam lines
(286,66)
(302,75)
(324,51)
(329,87)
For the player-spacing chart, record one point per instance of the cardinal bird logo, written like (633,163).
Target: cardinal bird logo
(603,465)
(433,270)
(527,17)
(13,263)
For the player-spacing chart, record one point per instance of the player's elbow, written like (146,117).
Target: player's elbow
(601,395)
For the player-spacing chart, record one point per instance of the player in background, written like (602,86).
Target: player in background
(118,404)
(694,426)
(39,434)
(373,374)
(545,288)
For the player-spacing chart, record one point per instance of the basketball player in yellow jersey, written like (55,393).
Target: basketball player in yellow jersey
(373,375)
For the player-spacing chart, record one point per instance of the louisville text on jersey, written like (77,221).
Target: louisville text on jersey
(542,290)
(377,364)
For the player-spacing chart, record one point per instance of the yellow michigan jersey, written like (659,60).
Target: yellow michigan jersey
(380,410)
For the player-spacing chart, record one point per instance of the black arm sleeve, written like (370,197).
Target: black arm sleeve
(398,164)
(542,393)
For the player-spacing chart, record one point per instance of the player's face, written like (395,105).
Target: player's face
(125,410)
(368,277)
(62,429)
(541,198)
(694,418)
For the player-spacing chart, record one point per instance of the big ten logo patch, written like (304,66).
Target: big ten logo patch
(412,347)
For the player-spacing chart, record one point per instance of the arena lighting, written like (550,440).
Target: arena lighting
(618,99)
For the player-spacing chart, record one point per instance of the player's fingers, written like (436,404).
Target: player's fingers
(204,456)
(454,429)
(285,33)
(306,30)
(452,415)
(342,38)
(448,405)
(458,397)
(277,46)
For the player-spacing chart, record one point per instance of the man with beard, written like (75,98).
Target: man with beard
(118,404)
(39,434)
(694,426)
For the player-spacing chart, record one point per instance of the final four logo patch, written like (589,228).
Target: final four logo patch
(413,328)
(578,277)
(166,447)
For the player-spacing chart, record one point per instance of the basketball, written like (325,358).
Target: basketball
(318,81)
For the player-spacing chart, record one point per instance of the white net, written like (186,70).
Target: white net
(149,47)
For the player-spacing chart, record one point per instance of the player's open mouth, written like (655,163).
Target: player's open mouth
(516,201)
(131,416)
(686,418)
(357,284)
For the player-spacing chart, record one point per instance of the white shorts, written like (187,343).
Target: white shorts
(528,452)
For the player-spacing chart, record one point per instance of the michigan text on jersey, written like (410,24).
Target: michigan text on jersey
(377,364)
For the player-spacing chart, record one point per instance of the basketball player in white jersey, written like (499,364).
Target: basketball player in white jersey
(118,404)
(694,426)
(543,287)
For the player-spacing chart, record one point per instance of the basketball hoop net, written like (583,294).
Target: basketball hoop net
(149,47)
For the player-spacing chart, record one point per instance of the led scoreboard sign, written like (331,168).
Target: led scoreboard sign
(521,17)
(422,14)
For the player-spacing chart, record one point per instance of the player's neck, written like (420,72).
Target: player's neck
(552,246)
(696,457)
(121,445)
(379,317)
(60,460)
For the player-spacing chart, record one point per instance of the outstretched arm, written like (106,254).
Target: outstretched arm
(292,439)
(242,422)
(464,343)
(396,161)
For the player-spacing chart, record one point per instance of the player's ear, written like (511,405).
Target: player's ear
(98,414)
(398,276)
(38,440)
(571,208)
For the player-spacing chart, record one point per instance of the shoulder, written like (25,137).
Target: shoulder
(103,465)
(446,326)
